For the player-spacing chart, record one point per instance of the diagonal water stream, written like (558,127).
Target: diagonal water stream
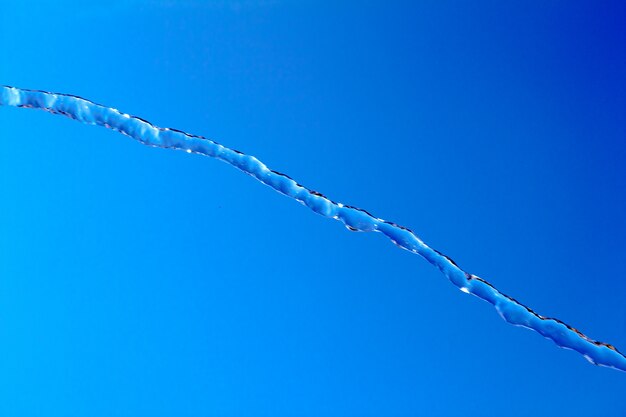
(354,218)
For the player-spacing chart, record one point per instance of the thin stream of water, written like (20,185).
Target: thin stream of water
(354,218)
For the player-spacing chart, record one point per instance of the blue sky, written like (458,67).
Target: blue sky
(137,281)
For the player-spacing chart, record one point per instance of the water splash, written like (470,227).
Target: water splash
(354,218)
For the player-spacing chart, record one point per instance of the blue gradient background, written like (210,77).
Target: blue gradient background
(137,281)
